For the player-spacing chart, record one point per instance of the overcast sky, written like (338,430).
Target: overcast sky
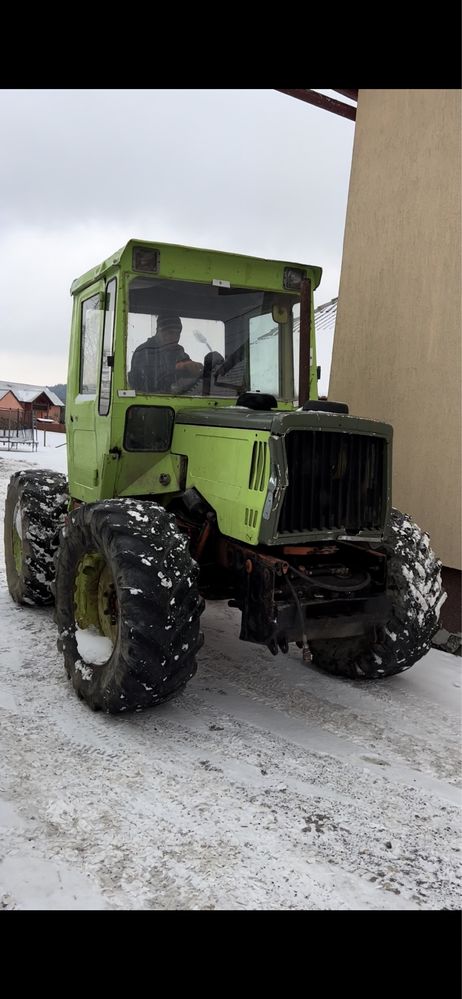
(82,171)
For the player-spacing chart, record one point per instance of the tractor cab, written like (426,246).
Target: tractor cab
(165,328)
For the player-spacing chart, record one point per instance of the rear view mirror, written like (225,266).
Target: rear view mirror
(280,313)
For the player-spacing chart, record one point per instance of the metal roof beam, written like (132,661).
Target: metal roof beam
(321,101)
(352,94)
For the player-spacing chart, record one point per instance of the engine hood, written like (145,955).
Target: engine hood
(278,422)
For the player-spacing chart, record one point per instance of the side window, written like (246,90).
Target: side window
(264,354)
(89,344)
(107,360)
(296,315)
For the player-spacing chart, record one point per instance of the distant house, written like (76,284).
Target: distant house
(37,400)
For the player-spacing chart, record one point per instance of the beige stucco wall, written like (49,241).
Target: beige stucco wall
(397,347)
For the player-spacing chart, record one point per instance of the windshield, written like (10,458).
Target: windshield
(203,339)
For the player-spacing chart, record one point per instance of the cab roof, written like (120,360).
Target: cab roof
(195,263)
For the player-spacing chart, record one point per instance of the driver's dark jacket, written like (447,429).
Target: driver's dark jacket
(154,366)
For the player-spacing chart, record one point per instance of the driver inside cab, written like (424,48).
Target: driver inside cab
(160,364)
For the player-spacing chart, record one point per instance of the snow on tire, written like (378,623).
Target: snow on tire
(35,509)
(414,586)
(156,604)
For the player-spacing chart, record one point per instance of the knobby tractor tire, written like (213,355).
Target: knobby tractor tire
(35,509)
(130,554)
(414,586)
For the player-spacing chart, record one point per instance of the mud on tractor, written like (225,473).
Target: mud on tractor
(193,473)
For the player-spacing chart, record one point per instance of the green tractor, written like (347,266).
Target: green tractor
(192,473)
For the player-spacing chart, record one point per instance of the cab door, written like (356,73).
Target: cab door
(83,388)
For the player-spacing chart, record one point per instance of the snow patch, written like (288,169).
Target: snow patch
(18,519)
(440,603)
(137,516)
(94,648)
(81,668)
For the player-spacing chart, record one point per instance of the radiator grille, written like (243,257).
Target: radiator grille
(336,481)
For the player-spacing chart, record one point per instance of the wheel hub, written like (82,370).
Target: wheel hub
(95,596)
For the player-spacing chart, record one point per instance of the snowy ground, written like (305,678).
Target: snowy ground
(266,785)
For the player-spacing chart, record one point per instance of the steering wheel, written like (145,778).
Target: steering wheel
(211,361)
(184,384)
(227,365)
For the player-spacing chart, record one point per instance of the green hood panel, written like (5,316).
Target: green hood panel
(279,422)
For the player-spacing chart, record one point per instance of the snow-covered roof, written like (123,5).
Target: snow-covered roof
(27,393)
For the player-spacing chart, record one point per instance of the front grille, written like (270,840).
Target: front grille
(336,482)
